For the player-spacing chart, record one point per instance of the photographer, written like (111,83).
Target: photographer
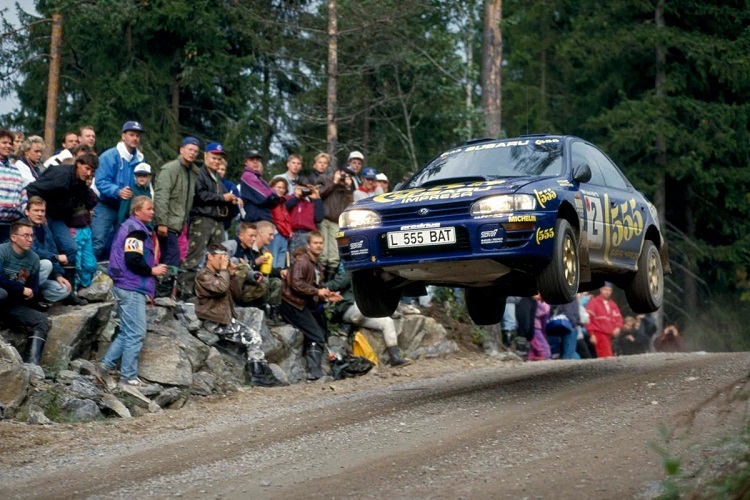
(306,211)
(337,193)
(670,340)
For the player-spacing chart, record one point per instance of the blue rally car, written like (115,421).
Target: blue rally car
(540,213)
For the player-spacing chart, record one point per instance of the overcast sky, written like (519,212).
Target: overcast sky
(9,103)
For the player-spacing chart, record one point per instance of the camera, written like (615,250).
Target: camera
(348,171)
(305,191)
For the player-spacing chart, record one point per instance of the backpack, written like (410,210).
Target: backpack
(350,366)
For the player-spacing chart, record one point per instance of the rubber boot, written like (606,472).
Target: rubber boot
(36,345)
(164,287)
(274,317)
(73,299)
(314,358)
(396,358)
(261,375)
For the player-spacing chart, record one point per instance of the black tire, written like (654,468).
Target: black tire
(558,281)
(374,298)
(485,305)
(645,291)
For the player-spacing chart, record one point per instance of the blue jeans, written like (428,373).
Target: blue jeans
(103,230)
(65,241)
(51,290)
(131,307)
(278,248)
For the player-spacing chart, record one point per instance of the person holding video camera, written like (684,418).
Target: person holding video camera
(669,340)
(306,211)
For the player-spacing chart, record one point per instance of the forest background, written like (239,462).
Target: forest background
(660,85)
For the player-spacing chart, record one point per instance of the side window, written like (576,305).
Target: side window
(583,153)
(612,175)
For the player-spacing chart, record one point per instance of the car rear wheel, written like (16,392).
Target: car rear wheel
(645,291)
(374,297)
(558,281)
(486,306)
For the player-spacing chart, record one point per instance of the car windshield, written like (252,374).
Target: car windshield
(493,160)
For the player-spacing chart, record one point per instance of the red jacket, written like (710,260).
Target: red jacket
(600,320)
(306,214)
(282,220)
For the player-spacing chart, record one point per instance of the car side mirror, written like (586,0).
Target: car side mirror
(582,173)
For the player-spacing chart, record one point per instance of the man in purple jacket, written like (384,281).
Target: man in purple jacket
(256,194)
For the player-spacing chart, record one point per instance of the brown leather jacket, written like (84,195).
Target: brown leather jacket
(216,293)
(300,288)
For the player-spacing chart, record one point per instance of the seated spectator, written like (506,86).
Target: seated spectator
(12,191)
(52,260)
(142,187)
(300,296)
(282,219)
(216,289)
(669,340)
(19,278)
(29,162)
(133,269)
(348,312)
(369,187)
(631,340)
(306,209)
(69,197)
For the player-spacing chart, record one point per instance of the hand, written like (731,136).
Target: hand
(229,197)
(283,273)
(232,268)
(315,192)
(28,293)
(335,297)
(297,192)
(323,292)
(159,270)
(630,338)
(592,339)
(616,332)
(62,259)
(162,231)
(64,282)
(125,193)
(224,263)
(261,260)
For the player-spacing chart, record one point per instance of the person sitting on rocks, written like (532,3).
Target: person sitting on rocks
(348,311)
(216,289)
(300,295)
(19,278)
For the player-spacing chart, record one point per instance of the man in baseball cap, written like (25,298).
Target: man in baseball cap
(115,181)
(369,185)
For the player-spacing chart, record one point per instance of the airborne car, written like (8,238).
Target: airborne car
(541,213)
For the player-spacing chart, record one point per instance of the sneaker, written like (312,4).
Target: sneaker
(133,382)
(102,375)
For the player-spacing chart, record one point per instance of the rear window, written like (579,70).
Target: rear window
(493,160)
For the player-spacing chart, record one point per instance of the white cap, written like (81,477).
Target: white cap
(142,168)
(381,177)
(357,155)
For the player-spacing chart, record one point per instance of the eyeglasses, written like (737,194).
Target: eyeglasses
(27,236)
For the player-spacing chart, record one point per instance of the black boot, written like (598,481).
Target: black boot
(274,317)
(36,345)
(186,285)
(396,358)
(314,358)
(261,375)
(74,300)
(164,287)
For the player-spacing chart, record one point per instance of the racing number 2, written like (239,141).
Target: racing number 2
(594,221)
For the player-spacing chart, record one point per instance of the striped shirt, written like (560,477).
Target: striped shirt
(12,193)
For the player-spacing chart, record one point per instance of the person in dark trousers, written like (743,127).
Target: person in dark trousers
(19,279)
(300,295)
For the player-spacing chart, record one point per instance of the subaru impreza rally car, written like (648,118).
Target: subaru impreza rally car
(538,214)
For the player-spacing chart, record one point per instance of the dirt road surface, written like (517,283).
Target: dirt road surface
(462,427)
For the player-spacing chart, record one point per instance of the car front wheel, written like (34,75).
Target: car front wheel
(374,297)
(645,291)
(485,305)
(558,281)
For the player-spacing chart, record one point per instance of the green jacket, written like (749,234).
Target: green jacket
(173,194)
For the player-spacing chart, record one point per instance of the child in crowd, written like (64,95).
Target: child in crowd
(142,173)
(282,220)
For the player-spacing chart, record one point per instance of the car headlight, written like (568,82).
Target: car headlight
(358,218)
(505,203)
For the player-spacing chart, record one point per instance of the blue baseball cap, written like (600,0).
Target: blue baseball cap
(369,173)
(191,141)
(215,148)
(133,125)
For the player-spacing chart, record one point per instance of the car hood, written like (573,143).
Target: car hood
(437,195)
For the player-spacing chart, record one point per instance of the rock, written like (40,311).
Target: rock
(279,373)
(204,384)
(168,396)
(162,360)
(412,332)
(14,379)
(434,341)
(36,372)
(37,417)
(73,332)
(178,403)
(252,317)
(186,315)
(196,350)
(290,336)
(83,388)
(294,366)
(80,409)
(149,390)
(165,302)
(207,337)
(66,376)
(156,317)
(153,407)
(114,404)
(100,289)
(215,364)
(273,346)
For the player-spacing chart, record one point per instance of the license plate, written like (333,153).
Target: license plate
(422,237)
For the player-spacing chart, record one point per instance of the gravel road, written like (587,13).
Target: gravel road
(463,427)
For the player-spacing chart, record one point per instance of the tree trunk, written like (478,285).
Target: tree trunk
(469,75)
(53,84)
(492,58)
(691,289)
(332,133)
(660,196)
(175,92)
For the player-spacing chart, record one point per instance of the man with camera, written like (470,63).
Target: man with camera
(306,211)
(355,162)
(670,340)
(217,288)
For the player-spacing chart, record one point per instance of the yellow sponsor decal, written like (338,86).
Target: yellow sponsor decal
(624,222)
(522,218)
(544,196)
(446,192)
(544,234)
(340,234)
